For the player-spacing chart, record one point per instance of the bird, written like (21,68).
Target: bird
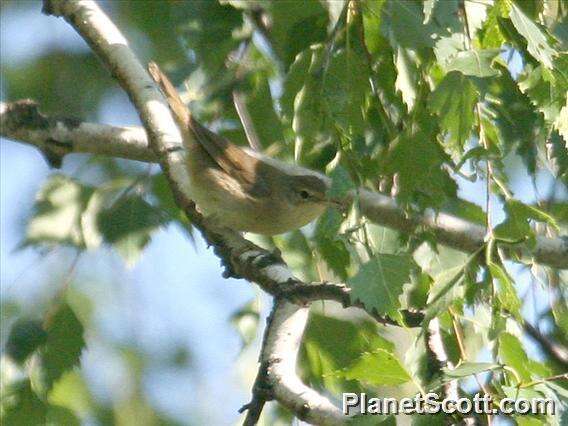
(240,188)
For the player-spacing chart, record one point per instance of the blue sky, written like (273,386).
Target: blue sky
(174,296)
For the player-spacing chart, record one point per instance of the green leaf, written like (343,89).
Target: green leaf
(245,320)
(545,91)
(446,289)
(506,293)
(372,11)
(295,26)
(65,342)
(25,337)
(125,221)
(439,260)
(561,123)
(61,416)
(260,105)
(537,40)
(379,368)
(557,154)
(341,183)
(379,283)
(21,406)
(309,111)
(469,369)
(407,76)
(328,224)
(417,161)
(294,80)
(465,210)
(475,63)
(335,254)
(515,227)
(59,91)
(405,24)
(165,201)
(454,100)
(57,213)
(211,31)
(490,34)
(128,226)
(330,344)
(513,355)
(516,119)
(345,85)
(439,419)
(71,392)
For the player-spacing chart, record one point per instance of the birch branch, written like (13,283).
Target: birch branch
(243,258)
(22,122)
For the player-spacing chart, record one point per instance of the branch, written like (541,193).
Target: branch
(554,350)
(277,379)
(241,257)
(22,122)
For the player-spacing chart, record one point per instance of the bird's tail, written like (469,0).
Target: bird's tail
(180,111)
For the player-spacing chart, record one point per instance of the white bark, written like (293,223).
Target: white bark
(284,334)
(22,122)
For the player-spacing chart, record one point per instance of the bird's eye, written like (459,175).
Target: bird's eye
(304,194)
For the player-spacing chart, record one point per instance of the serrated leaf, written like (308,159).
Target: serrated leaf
(466,210)
(557,154)
(57,212)
(296,26)
(372,11)
(330,344)
(71,392)
(379,368)
(294,80)
(561,123)
(538,45)
(475,63)
(417,161)
(335,254)
(468,369)
(515,228)
(443,283)
(309,111)
(514,115)
(21,406)
(341,183)
(379,283)
(513,355)
(506,293)
(328,224)
(545,91)
(258,99)
(345,85)
(490,34)
(64,345)
(454,100)
(211,31)
(126,222)
(25,337)
(406,24)
(407,76)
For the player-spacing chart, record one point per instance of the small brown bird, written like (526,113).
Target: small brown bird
(240,188)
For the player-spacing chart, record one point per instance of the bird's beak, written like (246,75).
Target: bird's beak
(339,203)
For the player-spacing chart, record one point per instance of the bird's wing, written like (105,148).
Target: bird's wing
(233,160)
